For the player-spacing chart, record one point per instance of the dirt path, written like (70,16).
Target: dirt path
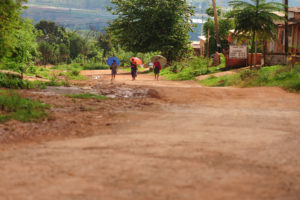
(189,142)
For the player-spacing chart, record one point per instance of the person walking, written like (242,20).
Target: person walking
(113,67)
(157,68)
(133,66)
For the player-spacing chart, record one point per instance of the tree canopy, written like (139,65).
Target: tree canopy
(154,25)
(257,18)
(9,17)
(225,25)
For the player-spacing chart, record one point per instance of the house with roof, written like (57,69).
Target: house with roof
(199,46)
(275,50)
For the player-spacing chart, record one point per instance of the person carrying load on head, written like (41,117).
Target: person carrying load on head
(134,68)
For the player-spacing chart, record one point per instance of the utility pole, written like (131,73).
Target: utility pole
(286,35)
(217,25)
(207,51)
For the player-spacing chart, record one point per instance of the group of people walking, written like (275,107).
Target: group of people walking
(134,69)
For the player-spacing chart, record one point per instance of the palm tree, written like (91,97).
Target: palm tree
(256,18)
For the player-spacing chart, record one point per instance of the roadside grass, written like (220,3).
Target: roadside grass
(71,72)
(67,67)
(87,96)
(13,106)
(190,68)
(11,82)
(276,75)
(140,70)
(95,66)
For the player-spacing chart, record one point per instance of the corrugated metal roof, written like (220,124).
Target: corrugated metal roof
(294,9)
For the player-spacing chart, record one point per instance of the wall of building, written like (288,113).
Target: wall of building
(275,60)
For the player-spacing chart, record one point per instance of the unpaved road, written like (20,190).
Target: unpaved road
(189,142)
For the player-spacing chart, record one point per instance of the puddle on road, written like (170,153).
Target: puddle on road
(112,91)
(122,92)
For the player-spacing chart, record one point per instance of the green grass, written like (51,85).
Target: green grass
(190,68)
(8,81)
(66,67)
(72,71)
(140,69)
(13,106)
(95,66)
(87,96)
(277,75)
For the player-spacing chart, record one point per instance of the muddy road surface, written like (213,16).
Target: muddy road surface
(172,140)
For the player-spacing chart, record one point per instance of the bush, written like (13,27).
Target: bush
(10,81)
(247,74)
(75,72)
(76,66)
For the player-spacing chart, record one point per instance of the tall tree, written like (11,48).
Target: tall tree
(9,22)
(105,43)
(54,42)
(25,49)
(154,25)
(257,18)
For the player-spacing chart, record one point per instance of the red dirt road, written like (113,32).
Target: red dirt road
(187,143)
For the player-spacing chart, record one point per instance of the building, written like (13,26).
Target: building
(199,46)
(196,48)
(275,50)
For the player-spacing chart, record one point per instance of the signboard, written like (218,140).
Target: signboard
(238,52)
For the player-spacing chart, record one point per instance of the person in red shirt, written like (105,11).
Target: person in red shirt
(157,68)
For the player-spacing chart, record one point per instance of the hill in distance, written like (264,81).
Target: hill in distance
(87,14)
(73,14)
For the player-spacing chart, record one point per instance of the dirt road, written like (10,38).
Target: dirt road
(183,142)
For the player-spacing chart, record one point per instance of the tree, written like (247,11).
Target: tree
(47,51)
(225,25)
(105,43)
(76,45)
(9,22)
(18,47)
(256,18)
(154,25)
(25,49)
(64,52)
(210,11)
(54,42)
